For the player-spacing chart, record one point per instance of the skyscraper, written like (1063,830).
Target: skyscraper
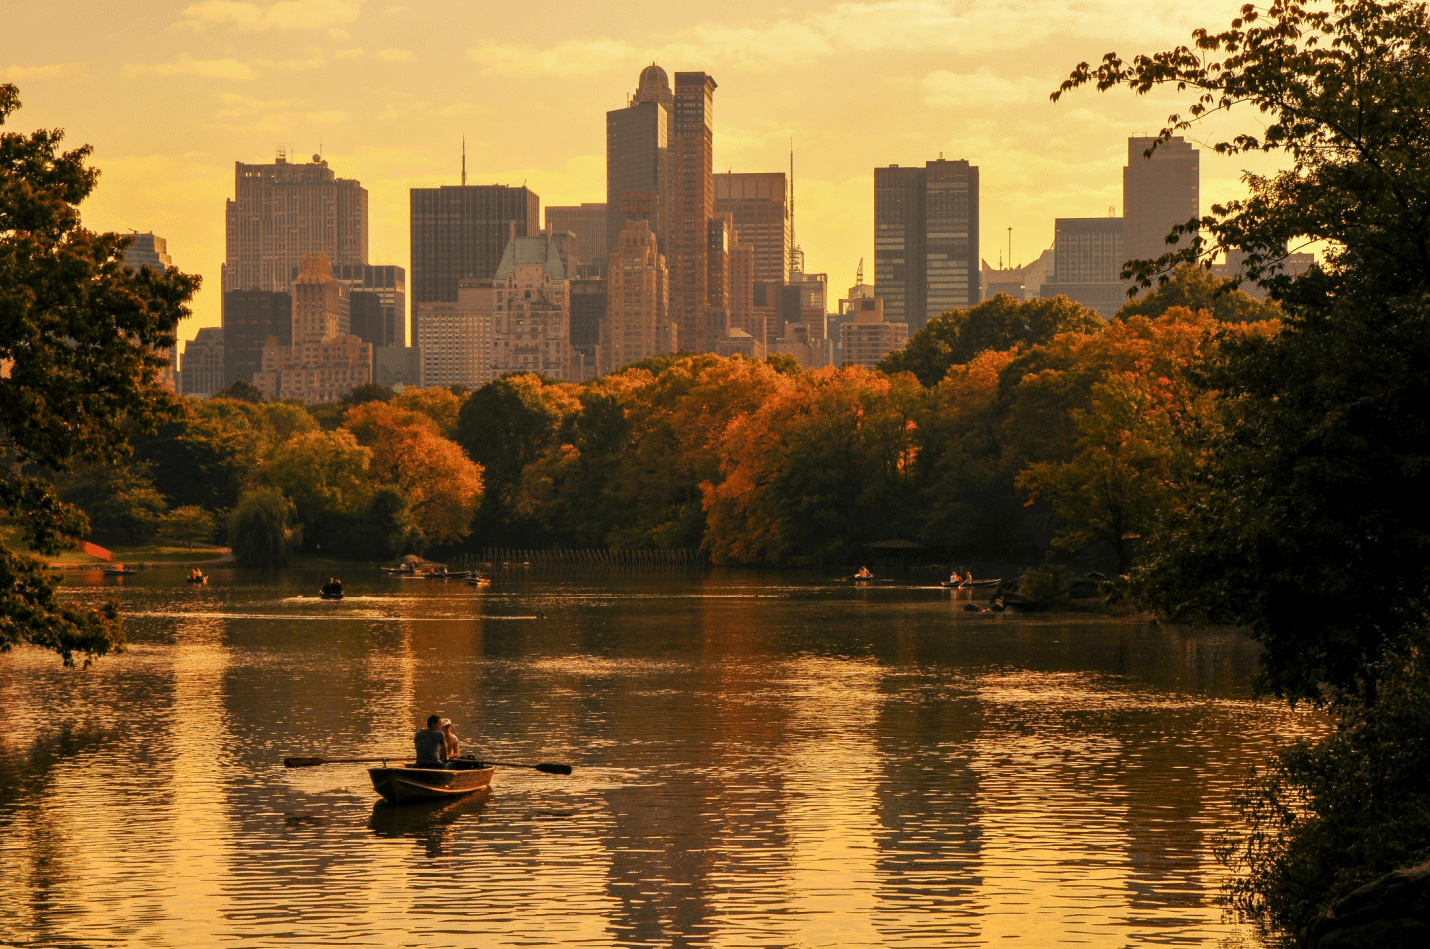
(926,258)
(691,204)
(1157,194)
(757,204)
(459,232)
(637,325)
(1087,257)
(637,157)
(588,222)
(152,251)
(148,250)
(379,301)
(250,319)
(281,213)
(899,242)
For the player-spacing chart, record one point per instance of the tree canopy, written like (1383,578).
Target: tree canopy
(956,337)
(78,338)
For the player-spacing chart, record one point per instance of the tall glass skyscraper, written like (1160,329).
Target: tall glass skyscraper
(926,257)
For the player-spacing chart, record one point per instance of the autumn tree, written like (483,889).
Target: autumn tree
(956,337)
(440,484)
(79,335)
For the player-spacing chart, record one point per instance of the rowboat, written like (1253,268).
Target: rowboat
(411,783)
(119,570)
(200,579)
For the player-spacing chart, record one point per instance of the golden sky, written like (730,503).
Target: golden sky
(171,94)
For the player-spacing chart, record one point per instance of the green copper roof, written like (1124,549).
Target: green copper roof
(531,251)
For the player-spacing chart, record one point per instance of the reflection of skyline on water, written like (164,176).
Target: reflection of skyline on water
(770,764)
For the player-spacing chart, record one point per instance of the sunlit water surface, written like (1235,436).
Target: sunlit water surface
(760,761)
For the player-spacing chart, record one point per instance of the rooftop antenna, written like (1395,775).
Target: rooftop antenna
(1010,248)
(796,256)
(464,161)
(859,274)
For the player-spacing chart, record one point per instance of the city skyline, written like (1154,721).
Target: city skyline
(856,86)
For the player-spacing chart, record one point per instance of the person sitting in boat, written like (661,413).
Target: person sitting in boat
(451,747)
(431,744)
(863,574)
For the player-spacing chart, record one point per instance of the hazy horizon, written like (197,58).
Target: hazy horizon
(170,97)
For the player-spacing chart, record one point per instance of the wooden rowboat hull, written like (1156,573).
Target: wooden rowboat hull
(403,785)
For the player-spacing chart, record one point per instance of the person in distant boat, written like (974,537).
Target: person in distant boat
(431,744)
(863,574)
(451,746)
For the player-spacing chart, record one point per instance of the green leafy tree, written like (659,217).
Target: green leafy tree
(78,334)
(190,524)
(1197,289)
(1308,523)
(368,392)
(263,529)
(325,475)
(240,391)
(204,453)
(954,338)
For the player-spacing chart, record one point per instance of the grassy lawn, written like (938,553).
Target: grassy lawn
(156,551)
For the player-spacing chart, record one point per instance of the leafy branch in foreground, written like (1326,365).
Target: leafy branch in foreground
(1343,90)
(78,334)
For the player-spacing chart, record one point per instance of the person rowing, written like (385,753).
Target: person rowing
(863,574)
(431,744)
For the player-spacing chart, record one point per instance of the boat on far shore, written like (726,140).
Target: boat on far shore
(118,570)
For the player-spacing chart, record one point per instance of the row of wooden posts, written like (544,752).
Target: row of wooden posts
(497,557)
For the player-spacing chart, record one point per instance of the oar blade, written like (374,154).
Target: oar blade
(303,762)
(554,768)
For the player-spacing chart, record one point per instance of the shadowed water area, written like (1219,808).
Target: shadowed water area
(761,760)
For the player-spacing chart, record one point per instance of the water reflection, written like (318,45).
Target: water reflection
(758,762)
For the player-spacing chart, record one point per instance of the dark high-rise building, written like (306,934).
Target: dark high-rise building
(899,242)
(1087,257)
(380,285)
(758,206)
(691,204)
(637,157)
(250,317)
(589,225)
(203,363)
(588,311)
(925,240)
(283,212)
(459,232)
(1157,194)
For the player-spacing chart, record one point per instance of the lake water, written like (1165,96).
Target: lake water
(759,760)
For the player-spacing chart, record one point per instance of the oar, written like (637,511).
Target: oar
(544,767)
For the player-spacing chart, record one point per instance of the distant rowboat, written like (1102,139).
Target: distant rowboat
(409,783)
